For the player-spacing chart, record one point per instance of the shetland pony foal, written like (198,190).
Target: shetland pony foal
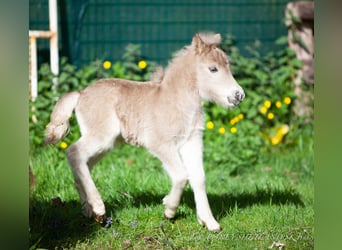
(165,117)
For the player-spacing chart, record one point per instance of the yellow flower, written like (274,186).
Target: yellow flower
(267,104)
(263,110)
(241,116)
(233,130)
(234,120)
(270,116)
(107,64)
(278,104)
(142,64)
(222,130)
(63,145)
(278,136)
(284,129)
(210,125)
(287,100)
(275,140)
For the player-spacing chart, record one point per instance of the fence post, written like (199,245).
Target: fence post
(54,59)
(52,35)
(33,67)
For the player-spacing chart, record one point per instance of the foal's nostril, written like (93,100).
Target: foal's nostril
(239,96)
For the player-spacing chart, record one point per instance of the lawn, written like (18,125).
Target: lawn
(269,201)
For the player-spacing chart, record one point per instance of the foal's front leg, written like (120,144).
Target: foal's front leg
(173,165)
(191,154)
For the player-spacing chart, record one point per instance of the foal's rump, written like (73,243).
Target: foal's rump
(94,110)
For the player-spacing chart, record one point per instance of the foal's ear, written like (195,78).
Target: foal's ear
(198,44)
(205,41)
(197,41)
(217,38)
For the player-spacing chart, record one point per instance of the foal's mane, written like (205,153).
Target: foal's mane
(208,40)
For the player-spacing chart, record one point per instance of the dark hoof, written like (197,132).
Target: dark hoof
(99,218)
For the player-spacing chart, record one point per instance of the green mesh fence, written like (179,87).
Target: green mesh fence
(90,30)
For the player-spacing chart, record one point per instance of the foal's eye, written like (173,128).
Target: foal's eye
(213,69)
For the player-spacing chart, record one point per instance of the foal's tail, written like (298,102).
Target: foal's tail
(59,120)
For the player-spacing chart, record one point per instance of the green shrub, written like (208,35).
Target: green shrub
(263,121)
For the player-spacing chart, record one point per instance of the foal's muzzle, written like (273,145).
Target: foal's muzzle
(238,97)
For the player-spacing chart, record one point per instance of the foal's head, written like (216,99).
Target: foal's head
(214,78)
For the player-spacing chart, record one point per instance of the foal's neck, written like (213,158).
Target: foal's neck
(180,77)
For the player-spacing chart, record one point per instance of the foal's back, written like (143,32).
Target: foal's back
(109,106)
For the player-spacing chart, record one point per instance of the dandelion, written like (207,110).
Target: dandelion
(210,125)
(233,130)
(267,104)
(234,120)
(142,64)
(107,64)
(278,104)
(280,132)
(63,145)
(275,140)
(287,100)
(284,129)
(263,110)
(270,116)
(241,116)
(222,130)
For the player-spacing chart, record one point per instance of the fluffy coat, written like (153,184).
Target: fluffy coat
(164,115)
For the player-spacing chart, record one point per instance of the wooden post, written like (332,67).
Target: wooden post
(300,23)
(300,20)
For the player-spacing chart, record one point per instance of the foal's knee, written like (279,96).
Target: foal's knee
(181,180)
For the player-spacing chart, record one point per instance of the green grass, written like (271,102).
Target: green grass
(268,201)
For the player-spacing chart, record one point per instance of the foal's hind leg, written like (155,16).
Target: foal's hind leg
(82,155)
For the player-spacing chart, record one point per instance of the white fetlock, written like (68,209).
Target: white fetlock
(214,226)
(169,212)
(98,213)
(211,225)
